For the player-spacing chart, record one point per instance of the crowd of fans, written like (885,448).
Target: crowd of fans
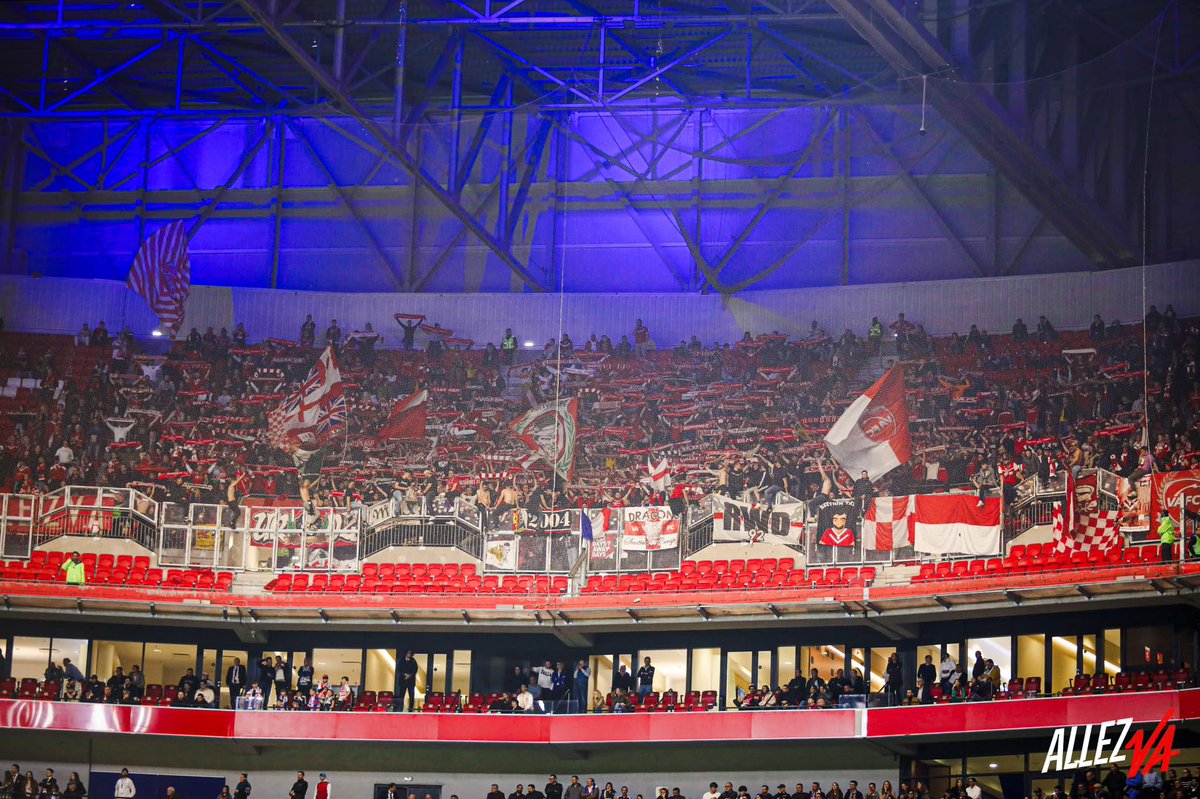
(744,419)
(1084,783)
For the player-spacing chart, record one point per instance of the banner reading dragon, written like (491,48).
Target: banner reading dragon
(549,432)
(649,529)
(749,523)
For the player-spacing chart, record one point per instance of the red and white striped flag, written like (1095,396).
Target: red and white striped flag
(886,524)
(162,274)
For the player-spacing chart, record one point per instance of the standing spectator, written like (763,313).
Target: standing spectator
(235,680)
(74,788)
(927,672)
(508,350)
(281,675)
(408,680)
(323,787)
(864,492)
(243,787)
(124,789)
(622,680)
(308,332)
(554,788)
(266,677)
(48,787)
(947,671)
(304,678)
(1166,536)
(299,787)
(645,674)
(574,790)
(583,676)
(76,572)
(641,339)
(333,335)
(495,792)
(895,679)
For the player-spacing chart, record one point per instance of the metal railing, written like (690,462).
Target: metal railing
(96,512)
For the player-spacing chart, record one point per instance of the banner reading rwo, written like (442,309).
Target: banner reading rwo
(745,522)
(1073,748)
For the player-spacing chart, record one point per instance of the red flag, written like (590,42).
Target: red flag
(872,435)
(408,418)
(162,274)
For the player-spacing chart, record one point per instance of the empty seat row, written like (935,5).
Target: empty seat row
(1041,561)
(432,570)
(712,580)
(458,584)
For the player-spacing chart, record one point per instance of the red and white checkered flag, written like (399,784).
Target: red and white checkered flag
(1097,532)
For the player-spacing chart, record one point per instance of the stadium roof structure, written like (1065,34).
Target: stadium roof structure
(1052,96)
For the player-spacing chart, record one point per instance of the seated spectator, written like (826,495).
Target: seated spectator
(621,701)
(71,692)
(981,689)
(525,701)
(1020,333)
(501,704)
(1045,330)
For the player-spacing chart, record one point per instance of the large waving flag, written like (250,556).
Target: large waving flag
(872,435)
(549,432)
(660,474)
(408,418)
(315,409)
(162,274)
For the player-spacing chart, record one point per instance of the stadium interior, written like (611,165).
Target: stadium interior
(788,399)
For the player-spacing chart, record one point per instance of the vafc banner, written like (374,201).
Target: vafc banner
(746,522)
(1178,493)
(649,529)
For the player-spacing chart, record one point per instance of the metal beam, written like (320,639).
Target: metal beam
(989,128)
(335,92)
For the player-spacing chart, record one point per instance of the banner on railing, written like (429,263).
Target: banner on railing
(648,529)
(746,522)
(1177,493)
(554,522)
(1135,505)
(956,524)
(500,552)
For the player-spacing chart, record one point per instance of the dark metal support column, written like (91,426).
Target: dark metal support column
(339,97)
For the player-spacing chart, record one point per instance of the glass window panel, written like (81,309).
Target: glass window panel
(879,659)
(166,664)
(980,767)
(954,651)
(337,663)
(1031,658)
(1089,654)
(108,655)
(737,675)
(381,670)
(437,681)
(460,679)
(602,672)
(706,669)
(826,659)
(30,658)
(764,669)
(670,668)
(931,650)
(1063,663)
(998,650)
(1112,652)
(1149,647)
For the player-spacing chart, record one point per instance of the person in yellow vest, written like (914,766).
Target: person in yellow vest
(75,571)
(1166,537)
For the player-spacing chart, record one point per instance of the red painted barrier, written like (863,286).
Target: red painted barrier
(777,725)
